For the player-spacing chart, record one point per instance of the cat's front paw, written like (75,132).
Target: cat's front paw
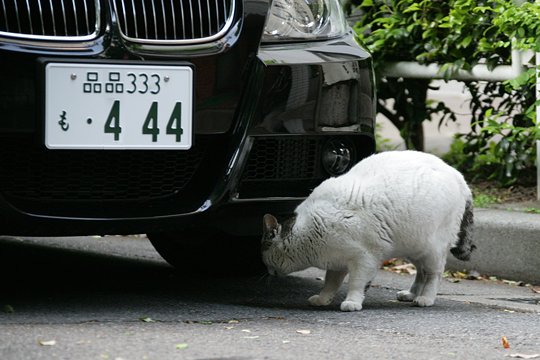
(318,300)
(348,305)
(423,301)
(405,295)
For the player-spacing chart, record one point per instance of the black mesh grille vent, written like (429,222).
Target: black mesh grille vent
(173,20)
(36,174)
(58,18)
(284,159)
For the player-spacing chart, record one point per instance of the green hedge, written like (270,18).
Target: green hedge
(459,34)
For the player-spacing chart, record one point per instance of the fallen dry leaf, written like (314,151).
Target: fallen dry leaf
(406,268)
(304,332)
(390,262)
(456,276)
(399,266)
(146,319)
(513,283)
(47,342)
(474,275)
(251,337)
(460,275)
(524,356)
(536,289)
(246,330)
(505,342)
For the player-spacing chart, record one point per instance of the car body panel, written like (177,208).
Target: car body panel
(250,100)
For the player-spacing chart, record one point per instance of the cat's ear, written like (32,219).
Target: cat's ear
(271,225)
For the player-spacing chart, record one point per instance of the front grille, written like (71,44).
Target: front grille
(33,173)
(174,20)
(55,19)
(291,166)
(282,167)
(284,159)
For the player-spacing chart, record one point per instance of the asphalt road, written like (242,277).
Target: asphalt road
(113,298)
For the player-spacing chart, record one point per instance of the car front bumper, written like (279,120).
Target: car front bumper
(263,115)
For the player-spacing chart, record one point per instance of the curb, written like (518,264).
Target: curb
(508,246)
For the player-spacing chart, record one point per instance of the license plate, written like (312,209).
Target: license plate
(111,106)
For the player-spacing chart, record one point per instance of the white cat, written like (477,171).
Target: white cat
(394,204)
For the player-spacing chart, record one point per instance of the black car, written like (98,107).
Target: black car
(186,120)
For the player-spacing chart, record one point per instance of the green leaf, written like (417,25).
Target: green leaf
(181,346)
(411,8)
(467,41)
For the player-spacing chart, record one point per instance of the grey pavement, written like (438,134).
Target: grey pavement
(84,298)
(111,249)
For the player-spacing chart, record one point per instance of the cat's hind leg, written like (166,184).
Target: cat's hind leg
(416,287)
(432,269)
(361,273)
(332,282)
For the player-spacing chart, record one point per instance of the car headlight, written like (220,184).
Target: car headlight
(301,20)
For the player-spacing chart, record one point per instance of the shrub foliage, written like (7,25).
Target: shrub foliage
(459,34)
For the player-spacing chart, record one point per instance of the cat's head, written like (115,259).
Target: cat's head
(274,253)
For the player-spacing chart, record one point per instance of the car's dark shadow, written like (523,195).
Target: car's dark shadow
(33,273)
(38,281)
(31,267)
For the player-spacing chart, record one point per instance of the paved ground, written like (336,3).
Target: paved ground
(86,297)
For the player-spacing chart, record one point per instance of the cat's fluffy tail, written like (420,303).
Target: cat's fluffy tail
(464,246)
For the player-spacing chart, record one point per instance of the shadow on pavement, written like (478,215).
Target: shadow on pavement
(51,284)
(34,273)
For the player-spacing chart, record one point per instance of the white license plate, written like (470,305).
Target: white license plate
(110,106)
